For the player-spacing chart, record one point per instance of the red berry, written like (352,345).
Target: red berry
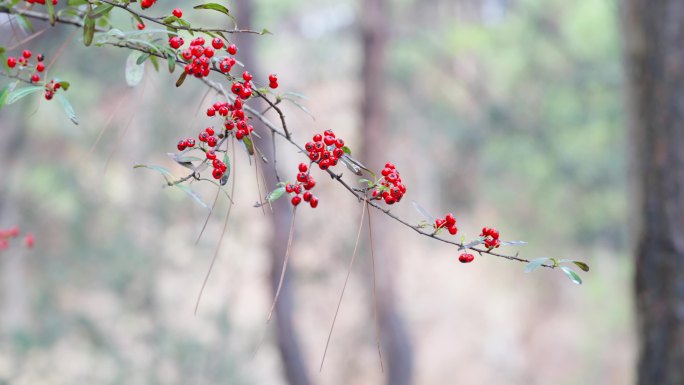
(317,138)
(296,200)
(181,145)
(288,188)
(450,219)
(178,13)
(40,67)
(232,49)
(313,202)
(211,111)
(29,240)
(307,196)
(141,26)
(211,155)
(11,62)
(209,131)
(217,43)
(217,173)
(303,167)
(26,54)
(453,230)
(247,76)
(190,142)
(35,78)
(211,141)
(273,85)
(466,258)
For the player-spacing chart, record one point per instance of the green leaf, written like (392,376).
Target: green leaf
(155,63)
(51,11)
(421,210)
(138,20)
(68,108)
(572,275)
(171,61)
(535,264)
(226,160)
(64,85)
(22,93)
(583,266)
(181,79)
(215,7)
(168,177)
(24,23)
(249,146)
(134,71)
(346,150)
(513,243)
(265,32)
(193,195)
(3,95)
(142,58)
(88,30)
(99,11)
(275,194)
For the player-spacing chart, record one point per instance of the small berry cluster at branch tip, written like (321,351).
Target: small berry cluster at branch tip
(466,258)
(304,182)
(449,222)
(144,4)
(273,81)
(325,149)
(24,63)
(54,2)
(50,89)
(491,237)
(186,143)
(391,189)
(243,90)
(13,232)
(218,165)
(198,55)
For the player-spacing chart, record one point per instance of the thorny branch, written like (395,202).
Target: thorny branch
(282,131)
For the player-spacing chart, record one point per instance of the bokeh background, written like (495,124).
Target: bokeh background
(508,113)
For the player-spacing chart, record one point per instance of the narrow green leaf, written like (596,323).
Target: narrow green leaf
(215,7)
(535,264)
(22,93)
(421,210)
(572,275)
(51,11)
(583,266)
(155,62)
(193,195)
(168,177)
(171,61)
(134,71)
(275,194)
(142,58)
(249,146)
(3,95)
(265,32)
(24,23)
(99,11)
(226,160)
(68,108)
(88,30)
(346,150)
(181,79)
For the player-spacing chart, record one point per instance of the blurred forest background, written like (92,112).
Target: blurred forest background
(509,113)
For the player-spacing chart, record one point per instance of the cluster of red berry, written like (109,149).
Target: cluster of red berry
(198,56)
(391,189)
(466,258)
(449,222)
(304,182)
(237,119)
(186,143)
(13,232)
(218,165)
(243,90)
(207,136)
(54,2)
(144,4)
(491,237)
(326,149)
(23,62)
(50,89)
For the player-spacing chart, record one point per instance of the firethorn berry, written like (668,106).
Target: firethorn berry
(296,200)
(303,167)
(217,43)
(141,26)
(273,81)
(40,67)
(449,221)
(26,54)
(11,62)
(232,49)
(29,240)
(217,173)
(40,57)
(181,145)
(144,4)
(212,141)
(35,78)
(177,12)
(209,131)
(466,258)
(176,42)
(211,155)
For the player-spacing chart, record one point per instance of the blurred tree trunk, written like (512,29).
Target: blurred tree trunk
(396,344)
(654,42)
(288,341)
